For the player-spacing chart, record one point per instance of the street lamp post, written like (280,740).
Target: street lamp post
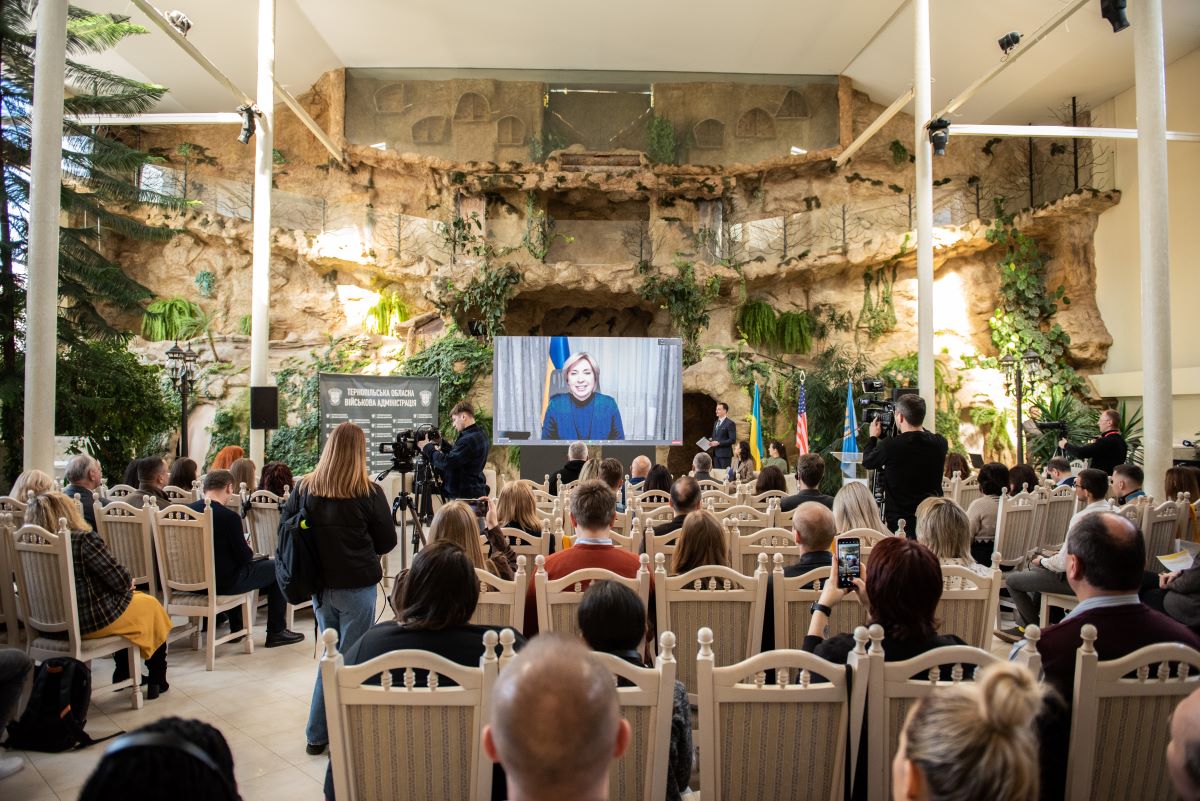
(1013,370)
(181,365)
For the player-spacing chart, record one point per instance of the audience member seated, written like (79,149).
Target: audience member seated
(83,479)
(277,478)
(130,478)
(433,612)
(593,509)
(776,456)
(973,740)
(1127,483)
(701,542)
(685,498)
(171,759)
(612,473)
(770,480)
(152,477)
(1183,751)
(590,470)
(957,463)
(942,527)
(1022,478)
(15,667)
(1103,563)
(108,604)
(1059,471)
(184,473)
(742,468)
(810,469)
(1048,572)
(577,454)
(612,620)
(517,508)
(659,479)
(556,725)
(226,457)
(34,481)
(638,469)
(1176,593)
(854,507)
(1179,480)
(236,568)
(702,467)
(244,472)
(981,514)
(814,530)
(457,522)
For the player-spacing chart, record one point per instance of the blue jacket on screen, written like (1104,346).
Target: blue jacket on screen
(597,418)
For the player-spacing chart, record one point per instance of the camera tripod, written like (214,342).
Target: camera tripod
(408,509)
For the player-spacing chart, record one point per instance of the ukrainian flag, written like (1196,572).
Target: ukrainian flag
(756,439)
(560,351)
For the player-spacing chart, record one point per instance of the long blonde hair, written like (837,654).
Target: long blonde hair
(590,470)
(456,522)
(243,473)
(516,507)
(341,471)
(45,510)
(701,542)
(34,481)
(943,528)
(854,507)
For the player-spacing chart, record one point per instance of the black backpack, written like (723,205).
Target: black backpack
(297,567)
(54,719)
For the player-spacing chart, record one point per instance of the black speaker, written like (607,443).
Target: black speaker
(264,407)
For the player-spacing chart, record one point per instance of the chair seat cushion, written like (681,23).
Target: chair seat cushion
(201,599)
(63,646)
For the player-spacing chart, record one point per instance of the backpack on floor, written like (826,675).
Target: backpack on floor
(54,719)
(297,566)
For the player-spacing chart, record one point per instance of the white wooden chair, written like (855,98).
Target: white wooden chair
(969,605)
(1055,509)
(544,486)
(792,599)
(373,754)
(1015,536)
(557,599)
(183,543)
(119,491)
(664,544)
(745,548)
(1055,600)
(870,537)
(717,500)
(9,614)
(623,522)
(706,484)
(1120,720)
(655,516)
(761,500)
(525,544)
(128,532)
(1159,527)
(650,500)
(502,603)
(262,523)
(631,542)
(783,740)
(714,596)
(45,569)
(646,697)
(179,494)
(966,491)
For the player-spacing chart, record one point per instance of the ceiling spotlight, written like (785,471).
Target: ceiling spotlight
(1114,12)
(247,113)
(798,151)
(180,22)
(1008,41)
(939,135)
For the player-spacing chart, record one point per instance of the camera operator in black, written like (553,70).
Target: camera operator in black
(913,461)
(1107,450)
(461,465)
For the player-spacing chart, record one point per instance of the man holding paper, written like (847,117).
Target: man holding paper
(723,436)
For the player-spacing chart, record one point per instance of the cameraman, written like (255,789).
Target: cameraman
(461,465)
(913,460)
(1106,451)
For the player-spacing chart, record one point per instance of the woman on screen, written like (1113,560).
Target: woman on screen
(582,413)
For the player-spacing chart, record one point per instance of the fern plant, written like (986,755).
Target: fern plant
(794,332)
(386,314)
(757,323)
(660,141)
(169,318)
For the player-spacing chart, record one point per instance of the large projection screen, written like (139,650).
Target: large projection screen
(602,390)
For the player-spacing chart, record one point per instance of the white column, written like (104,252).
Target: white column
(923,104)
(264,140)
(1153,209)
(45,178)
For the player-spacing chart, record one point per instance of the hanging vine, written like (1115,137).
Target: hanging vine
(686,300)
(878,313)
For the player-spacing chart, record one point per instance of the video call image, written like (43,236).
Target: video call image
(551,390)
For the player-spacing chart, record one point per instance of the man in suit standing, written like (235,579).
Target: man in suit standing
(723,437)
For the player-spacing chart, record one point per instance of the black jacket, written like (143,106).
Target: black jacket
(790,503)
(461,465)
(87,499)
(567,473)
(724,435)
(351,535)
(914,462)
(1106,451)
(230,550)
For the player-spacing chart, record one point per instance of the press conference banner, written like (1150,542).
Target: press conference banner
(381,405)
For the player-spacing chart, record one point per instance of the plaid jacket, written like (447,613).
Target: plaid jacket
(103,587)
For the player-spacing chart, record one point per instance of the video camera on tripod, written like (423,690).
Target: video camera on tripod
(407,458)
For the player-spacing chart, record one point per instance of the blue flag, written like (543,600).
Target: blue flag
(560,351)
(757,451)
(849,435)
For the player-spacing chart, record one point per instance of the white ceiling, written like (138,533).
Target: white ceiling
(853,37)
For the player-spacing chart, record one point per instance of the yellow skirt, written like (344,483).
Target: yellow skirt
(144,623)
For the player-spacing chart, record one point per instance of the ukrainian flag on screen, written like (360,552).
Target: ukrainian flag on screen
(756,444)
(560,350)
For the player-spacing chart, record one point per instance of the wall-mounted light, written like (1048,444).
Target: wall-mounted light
(939,135)
(1009,41)
(1114,12)
(248,123)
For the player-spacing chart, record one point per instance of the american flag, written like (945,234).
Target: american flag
(802,422)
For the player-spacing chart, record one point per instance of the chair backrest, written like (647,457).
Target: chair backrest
(623,520)
(967,491)
(793,597)
(631,542)
(870,537)
(183,543)
(45,573)
(373,752)
(968,605)
(1122,707)
(745,519)
(650,500)
(14,505)
(654,516)
(262,518)
(128,532)
(715,596)
(717,500)
(184,495)
(8,594)
(1057,508)
(502,603)
(662,543)
(528,545)
(120,491)
(760,501)
(544,486)
(646,696)
(558,599)
(711,484)
(786,740)
(745,548)
(1159,527)
(1014,529)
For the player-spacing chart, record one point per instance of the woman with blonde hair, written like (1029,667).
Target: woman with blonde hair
(942,527)
(590,470)
(456,521)
(854,507)
(516,508)
(108,604)
(701,542)
(975,739)
(351,525)
(34,481)
(244,472)
(226,457)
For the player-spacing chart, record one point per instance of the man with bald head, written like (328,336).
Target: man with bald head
(814,529)
(639,468)
(1183,751)
(556,726)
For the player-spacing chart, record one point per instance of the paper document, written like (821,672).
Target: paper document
(704,443)
(1180,560)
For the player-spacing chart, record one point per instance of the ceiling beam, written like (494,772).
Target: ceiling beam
(217,118)
(872,129)
(1061,132)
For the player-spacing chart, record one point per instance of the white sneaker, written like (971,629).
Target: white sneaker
(10,765)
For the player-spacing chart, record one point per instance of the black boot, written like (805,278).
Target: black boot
(157,667)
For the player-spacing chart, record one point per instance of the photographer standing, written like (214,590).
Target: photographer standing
(1107,450)
(461,465)
(911,462)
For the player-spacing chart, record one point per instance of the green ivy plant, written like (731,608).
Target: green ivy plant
(169,318)
(878,313)
(539,230)
(484,298)
(230,426)
(788,332)
(387,313)
(686,301)
(660,140)
(456,360)
(993,424)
